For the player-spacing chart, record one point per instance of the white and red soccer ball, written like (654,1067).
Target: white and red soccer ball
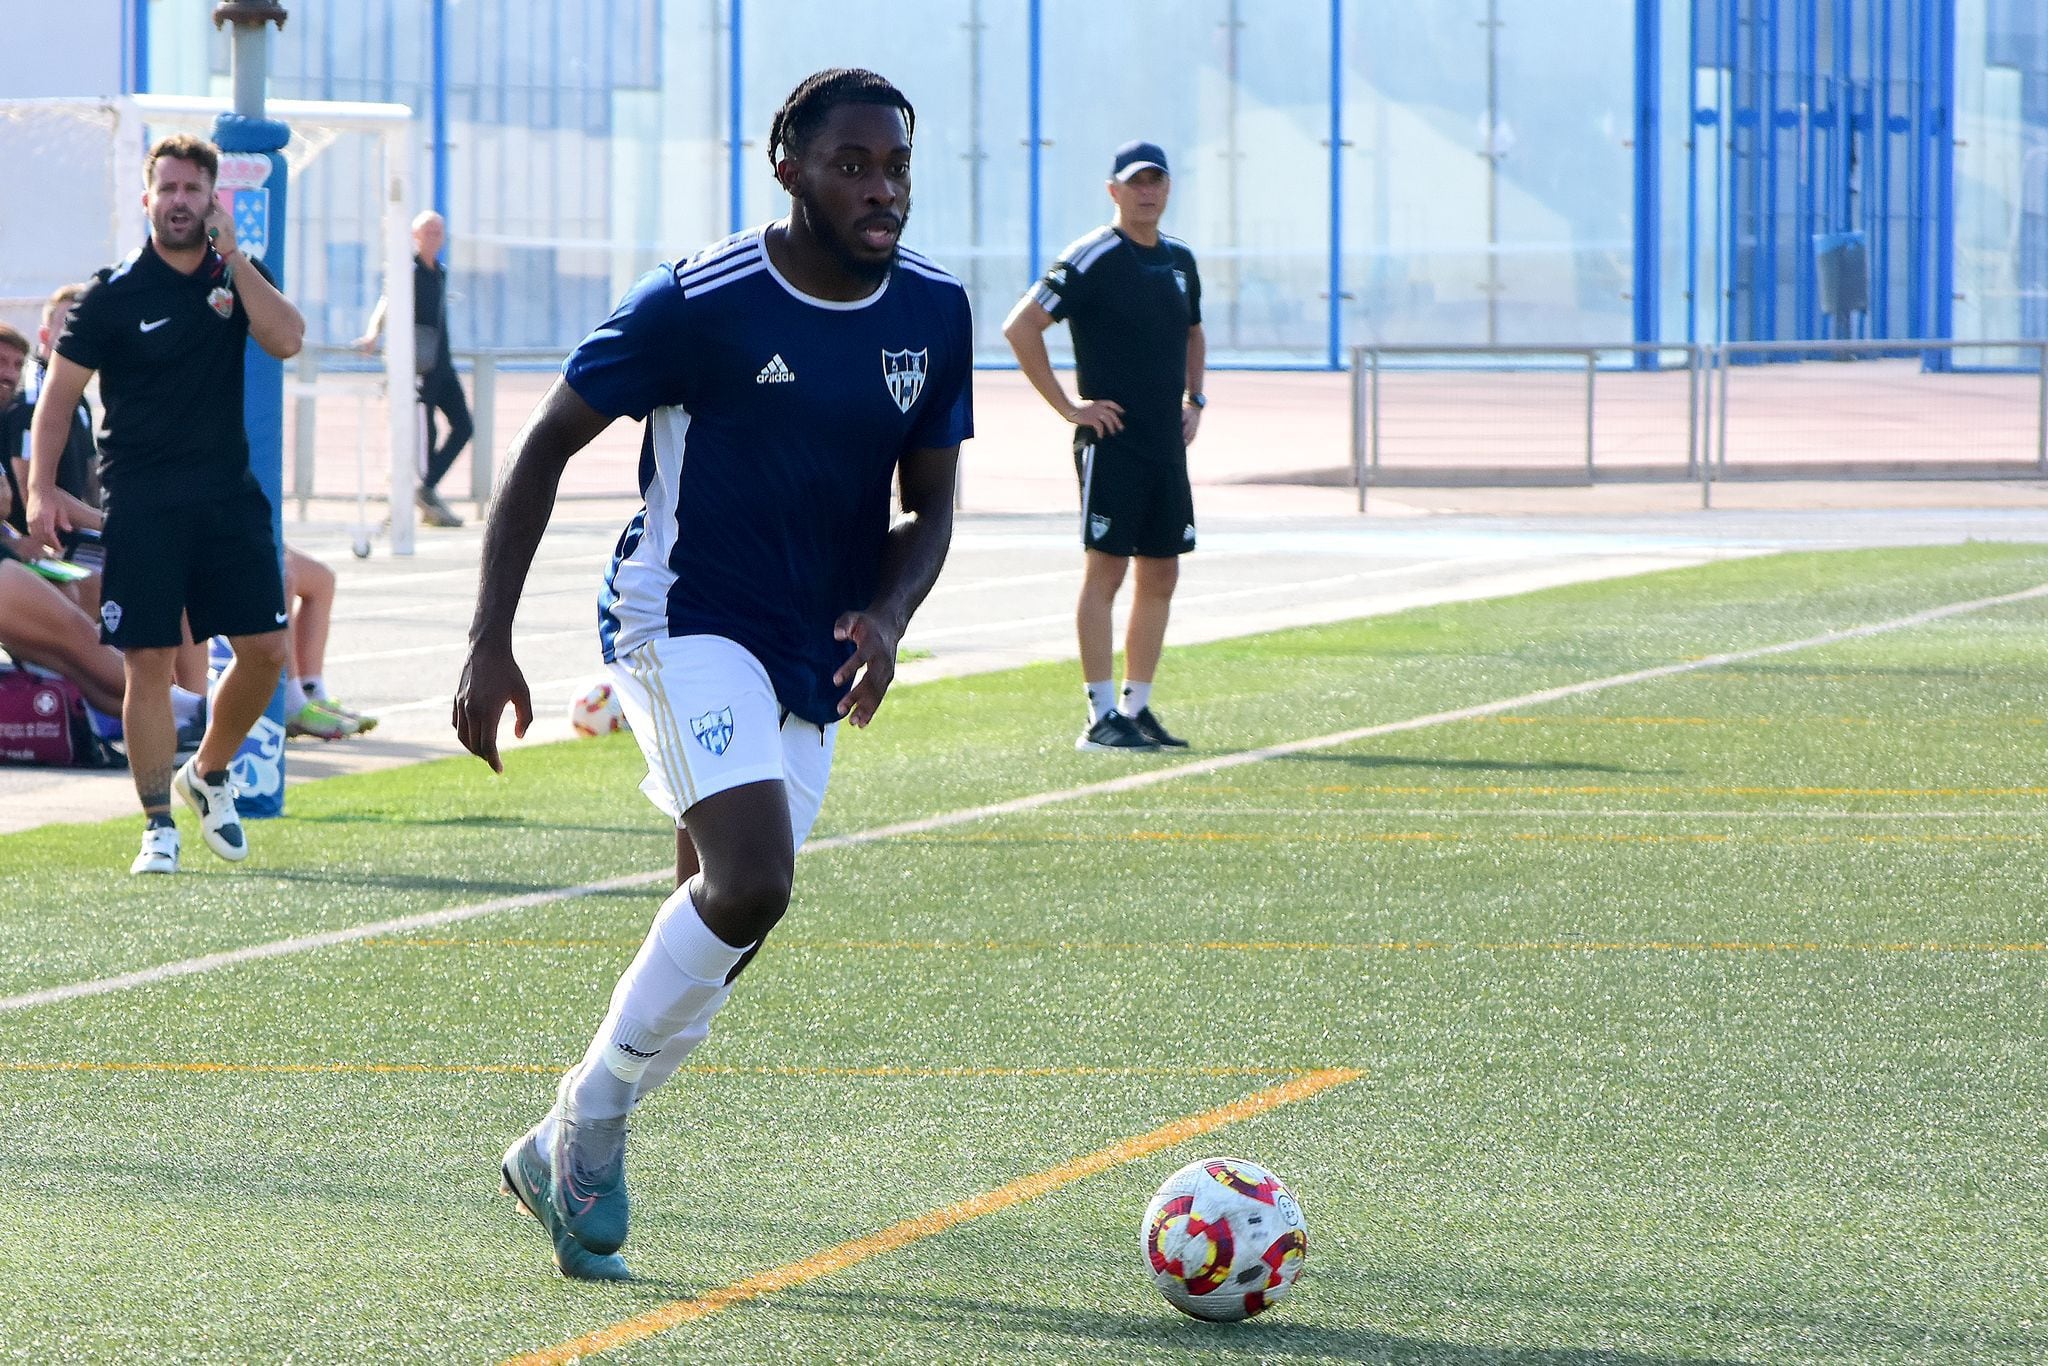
(595,709)
(1224,1239)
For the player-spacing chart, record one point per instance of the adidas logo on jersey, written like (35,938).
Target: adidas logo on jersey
(775,372)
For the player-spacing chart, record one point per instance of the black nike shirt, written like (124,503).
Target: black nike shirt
(169,349)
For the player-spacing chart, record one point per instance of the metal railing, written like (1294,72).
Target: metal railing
(1518,416)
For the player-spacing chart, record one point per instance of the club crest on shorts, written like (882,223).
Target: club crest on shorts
(903,372)
(1098,526)
(713,729)
(110,615)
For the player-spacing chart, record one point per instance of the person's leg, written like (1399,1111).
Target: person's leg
(309,589)
(191,665)
(147,725)
(39,625)
(1102,575)
(1151,603)
(240,699)
(443,392)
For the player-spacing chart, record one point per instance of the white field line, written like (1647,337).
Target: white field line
(279,948)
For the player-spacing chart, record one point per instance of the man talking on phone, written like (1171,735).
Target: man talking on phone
(188,530)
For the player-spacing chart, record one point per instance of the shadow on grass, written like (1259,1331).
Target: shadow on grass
(1470,765)
(1017,1331)
(519,823)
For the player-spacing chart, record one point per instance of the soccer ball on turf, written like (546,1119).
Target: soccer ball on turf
(595,710)
(1224,1239)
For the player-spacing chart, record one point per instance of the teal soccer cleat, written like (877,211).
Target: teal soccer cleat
(528,1180)
(587,1161)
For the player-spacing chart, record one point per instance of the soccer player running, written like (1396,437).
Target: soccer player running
(1133,301)
(785,375)
(188,531)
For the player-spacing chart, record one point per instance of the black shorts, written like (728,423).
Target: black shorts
(1132,504)
(215,562)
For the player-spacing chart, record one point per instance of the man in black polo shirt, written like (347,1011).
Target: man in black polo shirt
(439,390)
(188,531)
(1134,303)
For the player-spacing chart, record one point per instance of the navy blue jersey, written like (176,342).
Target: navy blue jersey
(775,422)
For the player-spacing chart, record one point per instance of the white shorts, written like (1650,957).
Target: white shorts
(706,718)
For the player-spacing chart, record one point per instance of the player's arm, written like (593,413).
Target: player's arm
(912,557)
(368,341)
(273,321)
(63,387)
(1025,331)
(1198,364)
(562,425)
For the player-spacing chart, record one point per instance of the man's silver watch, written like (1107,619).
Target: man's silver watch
(1197,401)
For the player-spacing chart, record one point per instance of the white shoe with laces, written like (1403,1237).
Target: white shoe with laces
(159,851)
(219,823)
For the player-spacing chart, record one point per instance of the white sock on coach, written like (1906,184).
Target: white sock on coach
(675,983)
(1137,697)
(184,705)
(1101,700)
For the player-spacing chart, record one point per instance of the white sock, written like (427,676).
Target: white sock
(295,696)
(680,1047)
(1137,697)
(315,689)
(669,987)
(185,705)
(1101,700)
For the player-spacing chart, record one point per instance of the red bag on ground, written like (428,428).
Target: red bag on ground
(43,721)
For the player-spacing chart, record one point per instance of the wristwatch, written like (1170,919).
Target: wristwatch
(1197,401)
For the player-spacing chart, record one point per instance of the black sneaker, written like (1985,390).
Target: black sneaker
(1149,727)
(1114,731)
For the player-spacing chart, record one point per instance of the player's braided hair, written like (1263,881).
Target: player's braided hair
(805,111)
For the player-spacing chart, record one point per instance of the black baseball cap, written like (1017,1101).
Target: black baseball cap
(1134,157)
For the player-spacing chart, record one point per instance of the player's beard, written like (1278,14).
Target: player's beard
(169,238)
(863,268)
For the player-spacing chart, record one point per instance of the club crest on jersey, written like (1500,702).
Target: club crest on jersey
(903,372)
(1180,277)
(223,300)
(713,729)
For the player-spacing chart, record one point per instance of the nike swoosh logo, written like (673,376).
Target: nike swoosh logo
(282,618)
(151,327)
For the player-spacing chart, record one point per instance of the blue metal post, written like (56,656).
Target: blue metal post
(1881,179)
(439,100)
(735,200)
(1692,173)
(1771,125)
(1943,133)
(1035,211)
(1649,197)
(139,78)
(1336,348)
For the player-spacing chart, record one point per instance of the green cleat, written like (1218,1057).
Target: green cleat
(527,1180)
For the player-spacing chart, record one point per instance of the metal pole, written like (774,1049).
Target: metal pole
(1493,155)
(1721,424)
(1358,424)
(1231,77)
(1705,359)
(2041,422)
(483,451)
(1592,369)
(1692,409)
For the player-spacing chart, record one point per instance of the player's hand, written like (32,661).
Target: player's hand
(1104,416)
(46,521)
(873,664)
(1190,423)
(220,230)
(491,681)
(366,345)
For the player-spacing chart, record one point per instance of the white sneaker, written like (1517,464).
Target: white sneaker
(159,851)
(219,823)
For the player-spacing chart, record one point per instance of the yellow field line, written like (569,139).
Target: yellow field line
(700,1069)
(1277,946)
(896,1236)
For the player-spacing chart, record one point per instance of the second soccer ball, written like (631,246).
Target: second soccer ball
(1224,1239)
(595,710)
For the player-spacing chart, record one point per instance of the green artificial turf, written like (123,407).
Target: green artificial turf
(1699,1018)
